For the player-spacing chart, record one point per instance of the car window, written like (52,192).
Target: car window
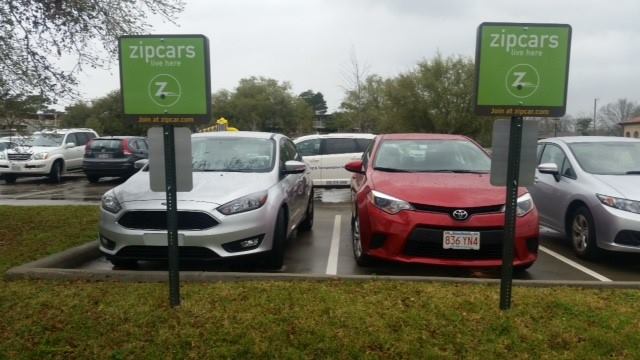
(287,151)
(71,138)
(81,139)
(567,169)
(309,147)
(552,154)
(366,155)
(106,144)
(133,144)
(235,154)
(539,152)
(363,144)
(608,158)
(340,146)
(90,136)
(142,144)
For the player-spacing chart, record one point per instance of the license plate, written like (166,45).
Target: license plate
(160,239)
(465,240)
(15,167)
(104,156)
(337,182)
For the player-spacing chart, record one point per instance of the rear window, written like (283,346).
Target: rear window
(106,144)
(340,146)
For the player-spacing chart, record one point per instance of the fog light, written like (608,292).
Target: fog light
(106,243)
(243,244)
(249,243)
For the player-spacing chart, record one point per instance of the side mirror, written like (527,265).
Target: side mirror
(69,145)
(140,163)
(549,168)
(294,167)
(354,167)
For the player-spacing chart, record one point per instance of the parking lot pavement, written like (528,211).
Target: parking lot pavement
(327,248)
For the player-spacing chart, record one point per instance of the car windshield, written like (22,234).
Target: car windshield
(233,154)
(431,156)
(45,140)
(608,158)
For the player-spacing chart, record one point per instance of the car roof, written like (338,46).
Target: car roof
(63,131)
(590,139)
(422,136)
(117,137)
(336,135)
(237,134)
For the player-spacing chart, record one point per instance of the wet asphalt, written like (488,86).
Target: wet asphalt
(327,249)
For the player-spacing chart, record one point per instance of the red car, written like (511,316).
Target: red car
(426,199)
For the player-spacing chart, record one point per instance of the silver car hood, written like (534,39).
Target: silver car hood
(626,185)
(30,149)
(211,187)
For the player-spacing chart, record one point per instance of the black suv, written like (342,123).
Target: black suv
(113,156)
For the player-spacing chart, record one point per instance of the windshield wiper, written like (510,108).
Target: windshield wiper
(390,169)
(633,172)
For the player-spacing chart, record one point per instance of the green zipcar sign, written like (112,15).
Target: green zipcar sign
(164,79)
(522,69)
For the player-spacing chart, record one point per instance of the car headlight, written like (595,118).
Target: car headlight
(388,203)
(40,156)
(245,203)
(110,202)
(3,156)
(621,204)
(524,205)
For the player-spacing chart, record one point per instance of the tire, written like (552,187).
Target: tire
(358,252)
(10,179)
(55,175)
(93,178)
(275,257)
(582,234)
(307,222)
(124,263)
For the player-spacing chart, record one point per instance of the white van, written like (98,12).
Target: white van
(327,154)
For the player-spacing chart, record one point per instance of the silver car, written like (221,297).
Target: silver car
(588,188)
(250,191)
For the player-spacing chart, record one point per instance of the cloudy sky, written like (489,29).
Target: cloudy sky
(309,43)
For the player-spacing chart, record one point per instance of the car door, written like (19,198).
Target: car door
(310,152)
(291,183)
(336,153)
(550,193)
(72,159)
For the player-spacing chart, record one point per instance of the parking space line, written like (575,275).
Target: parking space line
(35,193)
(332,262)
(574,264)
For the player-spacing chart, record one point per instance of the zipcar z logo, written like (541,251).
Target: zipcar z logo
(164,90)
(460,214)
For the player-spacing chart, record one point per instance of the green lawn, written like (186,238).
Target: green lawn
(289,320)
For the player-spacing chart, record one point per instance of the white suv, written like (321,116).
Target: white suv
(49,153)
(326,156)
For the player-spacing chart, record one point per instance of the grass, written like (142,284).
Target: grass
(289,320)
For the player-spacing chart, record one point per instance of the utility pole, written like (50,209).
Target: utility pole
(595,129)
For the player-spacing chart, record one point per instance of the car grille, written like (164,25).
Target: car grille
(19,157)
(157,220)
(449,210)
(426,242)
(161,253)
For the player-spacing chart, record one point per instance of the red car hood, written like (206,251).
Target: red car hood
(441,189)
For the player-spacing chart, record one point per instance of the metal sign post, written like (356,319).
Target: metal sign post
(513,170)
(172,215)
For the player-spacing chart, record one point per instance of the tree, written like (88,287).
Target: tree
(354,102)
(583,125)
(35,34)
(612,114)
(15,110)
(263,104)
(315,100)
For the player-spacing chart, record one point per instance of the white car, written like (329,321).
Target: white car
(250,192)
(46,153)
(326,155)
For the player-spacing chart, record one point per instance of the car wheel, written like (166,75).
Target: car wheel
(583,234)
(358,252)
(307,223)
(55,175)
(10,179)
(93,178)
(124,263)
(275,257)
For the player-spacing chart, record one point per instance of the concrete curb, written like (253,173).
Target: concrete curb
(59,267)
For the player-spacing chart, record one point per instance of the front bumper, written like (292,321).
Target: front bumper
(123,242)
(25,168)
(612,224)
(112,168)
(416,237)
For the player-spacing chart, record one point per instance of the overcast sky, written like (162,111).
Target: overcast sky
(309,43)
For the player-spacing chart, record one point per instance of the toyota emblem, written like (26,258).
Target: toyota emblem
(460,214)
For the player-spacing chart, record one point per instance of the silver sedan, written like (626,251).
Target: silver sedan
(250,191)
(588,188)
